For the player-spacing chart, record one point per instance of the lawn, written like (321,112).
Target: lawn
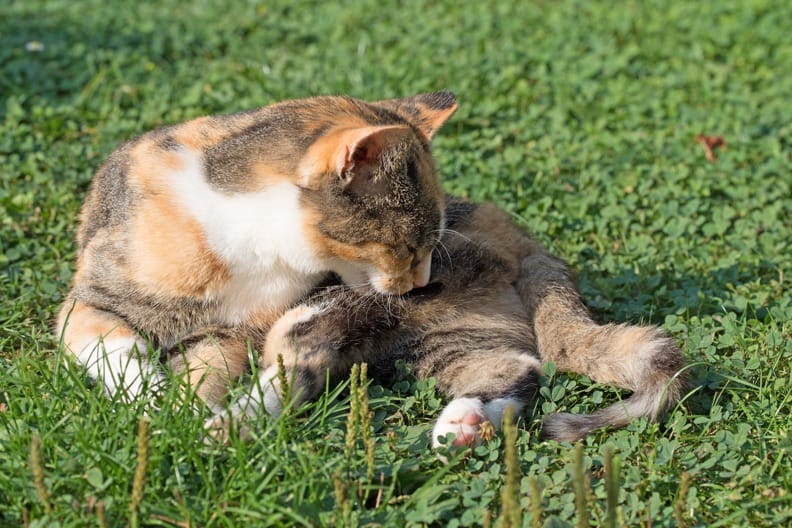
(579,118)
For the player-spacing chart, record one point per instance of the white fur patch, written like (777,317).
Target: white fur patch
(454,417)
(305,313)
(258,235)
(120,364)
(263,393)
(266,391)
(464,416)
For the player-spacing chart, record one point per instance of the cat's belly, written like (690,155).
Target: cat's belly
(246,295)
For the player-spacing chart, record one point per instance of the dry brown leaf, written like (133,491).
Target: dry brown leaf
(710,143)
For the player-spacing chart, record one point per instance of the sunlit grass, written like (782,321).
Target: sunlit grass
(579,118)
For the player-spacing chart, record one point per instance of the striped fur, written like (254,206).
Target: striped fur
(497,306)
(225,222)
(311,230)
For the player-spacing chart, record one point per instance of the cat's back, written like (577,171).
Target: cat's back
(485,238)
(211,209)
(233,153)
(190,177)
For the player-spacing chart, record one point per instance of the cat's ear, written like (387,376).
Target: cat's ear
(352,156)
(362,154)
(427,112)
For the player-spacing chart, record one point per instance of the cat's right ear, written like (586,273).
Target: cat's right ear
(352,156)
(427,112)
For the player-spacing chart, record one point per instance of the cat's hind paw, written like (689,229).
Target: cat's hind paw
(471,421)
(463,417)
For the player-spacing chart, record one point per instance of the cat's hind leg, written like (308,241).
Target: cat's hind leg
(111,351)
(468,419)
(209,361)
(485,365)
(314,341)
(302,365)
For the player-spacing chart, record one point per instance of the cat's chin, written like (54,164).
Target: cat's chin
(391,286)
(399,284)
(351,275)
(375,280)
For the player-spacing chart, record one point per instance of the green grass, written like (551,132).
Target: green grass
(577,117)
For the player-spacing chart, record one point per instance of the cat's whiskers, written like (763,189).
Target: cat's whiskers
(457,233)
(390,303)
(441,245)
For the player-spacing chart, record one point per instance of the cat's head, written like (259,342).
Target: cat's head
(374,206)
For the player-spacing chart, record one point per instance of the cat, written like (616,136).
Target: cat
(316,230)
(220,224)
(496,307)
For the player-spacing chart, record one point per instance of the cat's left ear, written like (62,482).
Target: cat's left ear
(427,112)
(361,154)
(353,155)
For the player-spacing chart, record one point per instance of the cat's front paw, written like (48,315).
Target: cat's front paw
(464,418)
(122,366)
(221,427)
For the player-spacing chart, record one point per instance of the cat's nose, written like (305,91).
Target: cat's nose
(422,272)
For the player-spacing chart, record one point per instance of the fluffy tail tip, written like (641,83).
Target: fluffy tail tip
(651,402)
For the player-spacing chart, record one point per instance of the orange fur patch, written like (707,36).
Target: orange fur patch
(277,343)
(168,250)
(80,324)
(210,366)
(329,154)
(200,133)
(267,175)
(149,163)
(317,240)
(264,319)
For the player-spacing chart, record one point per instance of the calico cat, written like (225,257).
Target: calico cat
(219,225)
(316,230)
(497,305)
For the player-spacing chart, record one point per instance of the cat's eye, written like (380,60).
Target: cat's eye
(402,252)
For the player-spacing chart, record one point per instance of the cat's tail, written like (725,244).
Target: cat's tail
(640,359)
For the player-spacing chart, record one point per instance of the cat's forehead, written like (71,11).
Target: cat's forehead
(412,219)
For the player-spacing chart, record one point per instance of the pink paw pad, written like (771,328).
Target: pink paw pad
(473,418)
(463,417)
(469,435)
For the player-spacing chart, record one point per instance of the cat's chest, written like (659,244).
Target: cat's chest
(262,291)
(259,238)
